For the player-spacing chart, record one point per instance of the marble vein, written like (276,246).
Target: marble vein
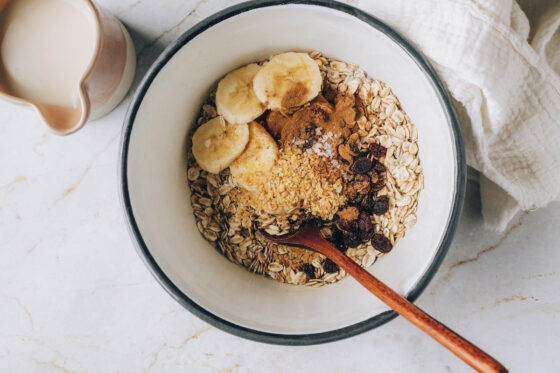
(18,179)
(81,178)
(515,298)
(171,29)
(183,344)
(30,338)
(72,188)
(43,140)
(450,270)
(53,365)
(540,275)
(22,306)
(232,369)
(30,250)
(492,247)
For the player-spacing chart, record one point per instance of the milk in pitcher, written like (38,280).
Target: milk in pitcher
(46,46)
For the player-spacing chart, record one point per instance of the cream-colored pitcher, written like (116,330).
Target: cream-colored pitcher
(67,59)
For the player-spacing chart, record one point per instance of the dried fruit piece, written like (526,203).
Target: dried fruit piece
(337,239)
(379,167)
(378,151)
(359,187)
(367,203)
(364,222)
(366,236)
(381,243)
(374,176)
(380,205)
(352,239)
(347,218)
(330,267)
(362,165)
(309,270)
(377,186)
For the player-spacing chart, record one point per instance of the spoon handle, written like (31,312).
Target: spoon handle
(466,351)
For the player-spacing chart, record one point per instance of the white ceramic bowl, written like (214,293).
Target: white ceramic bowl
(157,200)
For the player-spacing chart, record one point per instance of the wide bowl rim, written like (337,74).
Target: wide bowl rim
(208,316)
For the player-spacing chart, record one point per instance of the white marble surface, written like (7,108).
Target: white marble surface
(75,297)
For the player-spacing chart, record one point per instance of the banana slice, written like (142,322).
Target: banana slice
(257,160)
(217,143)
(288,80)
(235,98)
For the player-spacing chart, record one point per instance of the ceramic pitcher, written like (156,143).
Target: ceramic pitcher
(108,66)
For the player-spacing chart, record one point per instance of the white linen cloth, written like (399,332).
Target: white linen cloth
(503,74)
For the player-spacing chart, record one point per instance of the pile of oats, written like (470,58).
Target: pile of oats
(225,217)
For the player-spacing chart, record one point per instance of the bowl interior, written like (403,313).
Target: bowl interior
(160,199)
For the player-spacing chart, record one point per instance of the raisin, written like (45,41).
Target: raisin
(367,203)
(337,240)
(364,222)
(336,236)
(352,239)
(346,225)
(378,151)
(355,148)
(381,243)
(330,267)
(379,167)
(377,186)
(366,236)
(375,205)
(347,218)
(309,270)
(374,177)
(380,205)
(359,187)
(362,165)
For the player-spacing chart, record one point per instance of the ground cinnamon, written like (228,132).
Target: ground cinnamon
(294,97)
(328,116)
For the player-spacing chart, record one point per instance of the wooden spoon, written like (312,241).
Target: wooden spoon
(309,237)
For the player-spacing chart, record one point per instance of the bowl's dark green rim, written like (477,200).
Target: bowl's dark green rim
(206,315)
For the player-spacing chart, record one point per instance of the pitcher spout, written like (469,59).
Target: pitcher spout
(63,120)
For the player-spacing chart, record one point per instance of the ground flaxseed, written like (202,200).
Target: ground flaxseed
(300,180)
